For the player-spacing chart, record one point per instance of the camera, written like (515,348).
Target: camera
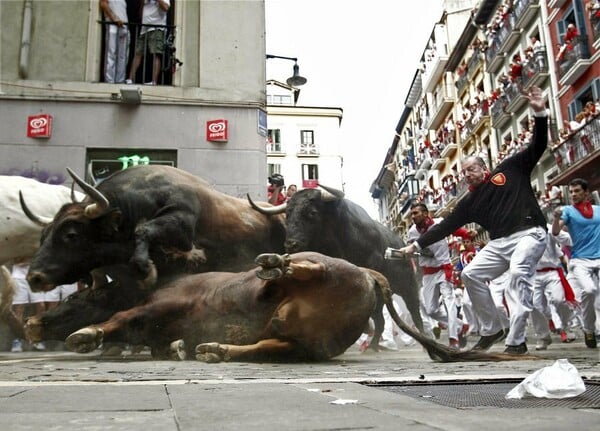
(276,180)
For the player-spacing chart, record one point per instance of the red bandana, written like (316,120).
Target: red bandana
(486,178)
(585,208)
(426,224)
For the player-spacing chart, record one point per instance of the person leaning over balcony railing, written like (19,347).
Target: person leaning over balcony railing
(154,12)
(502,202)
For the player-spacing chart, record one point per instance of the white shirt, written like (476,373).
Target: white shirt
(153,15)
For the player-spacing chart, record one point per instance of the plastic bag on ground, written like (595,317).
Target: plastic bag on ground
(559,380)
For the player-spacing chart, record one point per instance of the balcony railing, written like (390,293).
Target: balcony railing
(571,66)
(536,69)
(595,22)
(525,10)
(122,41)
(578,146)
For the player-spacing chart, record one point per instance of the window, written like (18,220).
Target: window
(307,143)
(591,93)
(279,99)
(310,175)
(274,141)
(102,162)
(273,168)
(119,71)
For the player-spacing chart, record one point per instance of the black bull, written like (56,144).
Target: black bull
(325,222)
(149,215)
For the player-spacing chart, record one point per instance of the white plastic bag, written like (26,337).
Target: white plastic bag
(559,380)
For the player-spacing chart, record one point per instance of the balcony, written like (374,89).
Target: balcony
(525,11)
(555,4)
(579,152)
(509,34)
(574,63)
(438,163)
(443,100)
(462,83)
(117,73)
(474,63)
(449,149)
(274,149)
(535,72)
(434,69)
(595,23)
(499,114)
(516,99)
(493,57)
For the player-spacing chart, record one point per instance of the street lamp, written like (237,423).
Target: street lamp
(295,80)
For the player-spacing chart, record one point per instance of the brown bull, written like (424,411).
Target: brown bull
(300,307)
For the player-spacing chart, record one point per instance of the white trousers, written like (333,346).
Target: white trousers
(518,253)
(583,277)
(117,52)
(548,290)
(434,286)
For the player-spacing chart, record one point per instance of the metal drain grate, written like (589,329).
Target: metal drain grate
(489,394)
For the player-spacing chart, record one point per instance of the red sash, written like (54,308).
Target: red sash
(569,294)
(447,268)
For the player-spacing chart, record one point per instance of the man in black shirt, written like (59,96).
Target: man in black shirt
(503,202)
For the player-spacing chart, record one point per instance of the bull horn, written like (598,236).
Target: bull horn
(39,220)
(269,210)
(73,196)
(330,194)
(100,204)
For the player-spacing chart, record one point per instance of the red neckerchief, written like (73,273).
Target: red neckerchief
(585,208)
(426,224)
(486,178)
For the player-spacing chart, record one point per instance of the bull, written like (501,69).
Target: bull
(300,307)
(19,236)
(326,222)
(151,215)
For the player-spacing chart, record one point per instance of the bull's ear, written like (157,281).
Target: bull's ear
(115,218)
(111,222)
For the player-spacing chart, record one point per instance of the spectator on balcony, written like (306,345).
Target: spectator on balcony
(572,35)
(516,68)
(462,69)
(583,222)
(503,202)
(117,40)
(151,39)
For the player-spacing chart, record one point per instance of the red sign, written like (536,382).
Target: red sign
(310,184)
(217,131)
(39,126)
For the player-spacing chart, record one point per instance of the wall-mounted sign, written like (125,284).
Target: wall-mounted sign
(217,130)
(39,126)
(262,123)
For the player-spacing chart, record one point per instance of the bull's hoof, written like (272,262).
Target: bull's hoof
(269,260)
(269,273)
(112,351)
(212,353)
(177,351)
(85,340)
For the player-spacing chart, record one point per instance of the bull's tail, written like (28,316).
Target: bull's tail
(7,293)
(438,352)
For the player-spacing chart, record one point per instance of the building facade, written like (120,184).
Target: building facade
(476,106)
(303,142)
(206,115)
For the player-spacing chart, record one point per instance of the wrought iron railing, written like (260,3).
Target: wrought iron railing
(579,145)
(165,61)
(579,50)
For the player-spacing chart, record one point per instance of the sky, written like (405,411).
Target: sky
(361,56)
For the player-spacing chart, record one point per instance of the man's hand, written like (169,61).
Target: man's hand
(536,99)
(557,213)
(409,249)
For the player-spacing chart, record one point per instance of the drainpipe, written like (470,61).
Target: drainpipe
(25,39)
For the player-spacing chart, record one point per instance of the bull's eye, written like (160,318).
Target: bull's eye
(70,235)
